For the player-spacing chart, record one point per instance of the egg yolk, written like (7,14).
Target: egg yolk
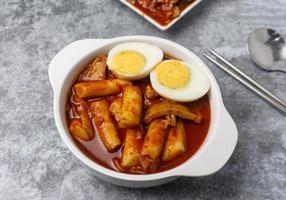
(128,62)
(172,74)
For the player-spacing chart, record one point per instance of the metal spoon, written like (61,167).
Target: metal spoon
(267,49)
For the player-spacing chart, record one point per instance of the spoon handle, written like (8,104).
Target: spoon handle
(249,84)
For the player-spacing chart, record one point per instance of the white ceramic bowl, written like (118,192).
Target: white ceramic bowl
(154,22)
(211,156)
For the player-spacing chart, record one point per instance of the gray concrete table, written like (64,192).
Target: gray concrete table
(34,162)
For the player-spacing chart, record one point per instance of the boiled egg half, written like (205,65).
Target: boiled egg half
(179,81)
(134,60)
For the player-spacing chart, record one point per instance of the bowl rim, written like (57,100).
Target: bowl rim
(136,177)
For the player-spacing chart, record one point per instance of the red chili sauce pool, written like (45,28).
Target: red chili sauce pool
(195,135)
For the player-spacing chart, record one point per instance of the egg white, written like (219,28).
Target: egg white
(196,87)
(152,54)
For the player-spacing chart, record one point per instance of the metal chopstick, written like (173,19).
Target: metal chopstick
(248,84)
(222,59)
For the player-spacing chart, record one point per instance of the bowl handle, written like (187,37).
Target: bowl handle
(63,62)
(217,152)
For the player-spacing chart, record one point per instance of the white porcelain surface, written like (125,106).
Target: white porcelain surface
(212,155)
(155,23)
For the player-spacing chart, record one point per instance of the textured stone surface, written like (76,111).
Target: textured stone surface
(34,162)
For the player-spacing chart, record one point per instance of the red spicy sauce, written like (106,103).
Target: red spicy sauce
(161,16)
(195,135)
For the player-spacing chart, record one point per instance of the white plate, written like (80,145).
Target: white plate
(155,23)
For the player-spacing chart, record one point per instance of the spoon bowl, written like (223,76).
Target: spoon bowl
(267,49)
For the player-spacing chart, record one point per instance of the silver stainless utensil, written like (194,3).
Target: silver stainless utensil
(267,49)
(232,70)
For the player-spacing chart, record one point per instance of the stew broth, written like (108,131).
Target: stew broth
(95,149)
